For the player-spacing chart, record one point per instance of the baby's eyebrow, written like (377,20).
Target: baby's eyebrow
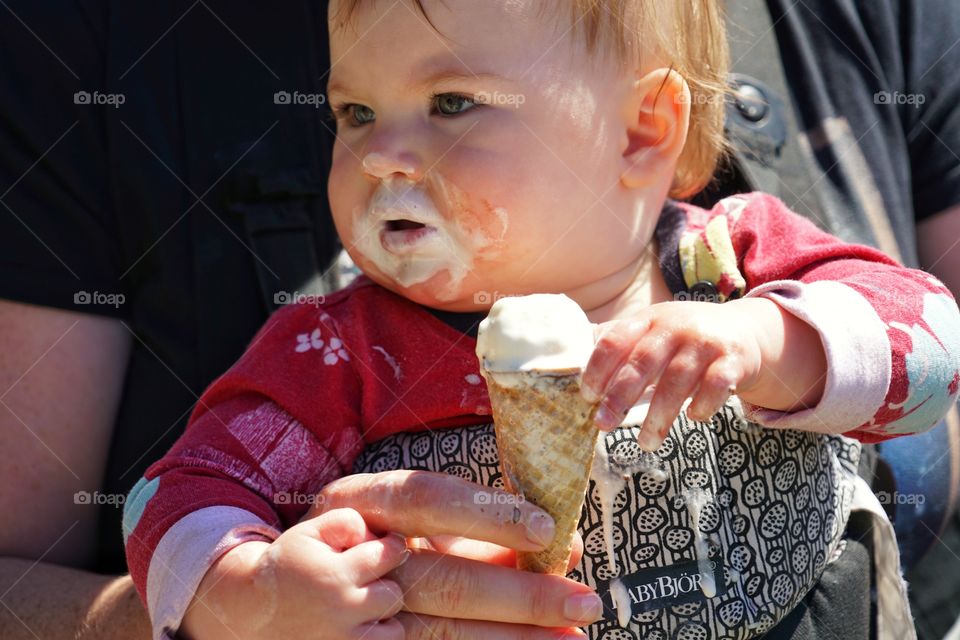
(446,75)
(436,77)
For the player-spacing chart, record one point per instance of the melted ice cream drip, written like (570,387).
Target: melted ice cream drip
(621,600)
(609,481)
(695,499)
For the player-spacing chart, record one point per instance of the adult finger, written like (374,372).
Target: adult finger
(390,629)
(442,585)
(424,627)
(487,551)
(614,346)
(424,503)
(576,553)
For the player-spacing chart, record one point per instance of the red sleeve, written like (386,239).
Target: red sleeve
(891,334)
(263,439)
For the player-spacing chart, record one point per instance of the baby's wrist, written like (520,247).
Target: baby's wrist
(792,360)
(226,587)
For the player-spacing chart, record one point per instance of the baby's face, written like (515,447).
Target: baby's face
(482,158)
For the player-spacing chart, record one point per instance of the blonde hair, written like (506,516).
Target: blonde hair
(689,35)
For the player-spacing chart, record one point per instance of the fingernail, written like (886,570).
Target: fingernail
(404,556)
(589,394)
(540,529)
(585,607)
(606,419)
(398,539)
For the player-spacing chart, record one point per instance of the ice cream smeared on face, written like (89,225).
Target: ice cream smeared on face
(543,332)
(414,231)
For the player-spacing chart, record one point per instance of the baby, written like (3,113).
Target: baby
(509,147)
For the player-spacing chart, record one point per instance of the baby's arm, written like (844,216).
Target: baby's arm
(891,335)
(244,469)
(829,337)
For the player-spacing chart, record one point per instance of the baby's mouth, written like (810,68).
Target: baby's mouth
(403,225)
(403,235)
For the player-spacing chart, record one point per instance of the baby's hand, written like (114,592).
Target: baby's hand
(322,578)
(701,350)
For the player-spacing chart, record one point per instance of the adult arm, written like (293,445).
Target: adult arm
(50,601)
(938,242)
(61,376)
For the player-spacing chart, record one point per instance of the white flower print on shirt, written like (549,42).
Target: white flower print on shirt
(333,349)
(307,341)
(335,352)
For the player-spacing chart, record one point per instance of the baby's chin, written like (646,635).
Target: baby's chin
(439,291)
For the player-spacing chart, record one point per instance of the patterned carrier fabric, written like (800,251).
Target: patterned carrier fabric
(778,503)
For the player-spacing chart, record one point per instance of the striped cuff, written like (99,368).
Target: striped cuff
(185,553)
(857,348)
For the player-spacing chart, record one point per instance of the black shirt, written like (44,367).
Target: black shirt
(100,200)
(874,92)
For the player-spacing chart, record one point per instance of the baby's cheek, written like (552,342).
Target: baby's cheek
(490,221)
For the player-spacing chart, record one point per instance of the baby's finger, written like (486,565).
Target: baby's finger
(340,529)
(718,383)
(380,600)
(615,345)
(646,361)
(390,629)
(678,382)
(371,560)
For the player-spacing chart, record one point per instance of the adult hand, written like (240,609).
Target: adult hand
(460,580)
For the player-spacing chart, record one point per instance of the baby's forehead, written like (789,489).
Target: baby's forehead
(505,37)
(452,21)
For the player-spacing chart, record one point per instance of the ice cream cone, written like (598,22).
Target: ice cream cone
(546,438)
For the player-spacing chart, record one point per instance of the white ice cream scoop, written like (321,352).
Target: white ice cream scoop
(538,332)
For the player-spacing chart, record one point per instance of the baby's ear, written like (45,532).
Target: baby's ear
(657,119)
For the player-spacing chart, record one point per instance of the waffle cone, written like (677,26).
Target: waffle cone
(545,437)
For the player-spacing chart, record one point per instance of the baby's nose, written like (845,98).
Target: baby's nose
(382,165)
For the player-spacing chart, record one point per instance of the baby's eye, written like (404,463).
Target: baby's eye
(451,104)
(356,115)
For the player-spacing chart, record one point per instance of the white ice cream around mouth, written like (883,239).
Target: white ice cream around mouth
(406,235)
